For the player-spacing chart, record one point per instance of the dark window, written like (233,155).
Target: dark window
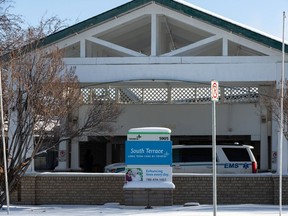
(237,154)
(192,155)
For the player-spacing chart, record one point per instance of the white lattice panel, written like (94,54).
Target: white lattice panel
(85,95)
(155,95)
(131,95)
(90,94)
(183,95)
(171,95)
(203,94)
(241,94)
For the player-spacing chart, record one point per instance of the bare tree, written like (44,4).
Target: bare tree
(10,26)
(272,102)
(40,94)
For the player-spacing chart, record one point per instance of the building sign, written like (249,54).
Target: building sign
(148,155)
(141,134)
(148,152)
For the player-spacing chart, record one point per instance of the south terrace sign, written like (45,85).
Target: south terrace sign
(148,153)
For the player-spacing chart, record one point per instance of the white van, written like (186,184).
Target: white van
(198,159)
(233,159)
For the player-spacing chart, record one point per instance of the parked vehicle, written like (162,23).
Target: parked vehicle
(233,159)
(198,159)
(115,168)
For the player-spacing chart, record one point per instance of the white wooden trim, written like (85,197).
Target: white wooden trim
(173,60)
(154,35)
(157,9)
(82,48)
(102,27)
(224,47)
(252,45)
(115,47)
(218,31)
(193,46)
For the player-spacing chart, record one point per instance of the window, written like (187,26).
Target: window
(192,155)
(237,154)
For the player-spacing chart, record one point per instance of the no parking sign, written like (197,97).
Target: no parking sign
(62,155)
(214,90)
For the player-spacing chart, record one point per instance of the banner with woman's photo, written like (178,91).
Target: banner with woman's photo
(148,173)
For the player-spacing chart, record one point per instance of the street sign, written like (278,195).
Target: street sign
(214,90)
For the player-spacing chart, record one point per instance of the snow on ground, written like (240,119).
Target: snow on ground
(119,210)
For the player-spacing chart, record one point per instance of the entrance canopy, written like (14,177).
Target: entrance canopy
(166,39)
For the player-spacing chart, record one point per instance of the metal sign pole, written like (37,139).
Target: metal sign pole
(281,120)
(214,98)
(4,146)
(214,160)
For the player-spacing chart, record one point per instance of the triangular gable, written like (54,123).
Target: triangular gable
(174,6)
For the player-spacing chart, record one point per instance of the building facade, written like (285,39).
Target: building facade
(157,59)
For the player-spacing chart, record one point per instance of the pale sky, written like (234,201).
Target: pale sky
(263,15)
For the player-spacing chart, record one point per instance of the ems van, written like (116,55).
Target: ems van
(230,159)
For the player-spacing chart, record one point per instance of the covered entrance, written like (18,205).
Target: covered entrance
(93,154)
(157,59)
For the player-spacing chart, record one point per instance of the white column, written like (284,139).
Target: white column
(31,167)
(154,35)
(275,153)
(264,143)
(11,131)
(75,155)
(82,49)
(62,156)
(274,145)
(225,47)
(285,156)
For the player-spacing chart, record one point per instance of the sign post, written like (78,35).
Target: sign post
(214,98)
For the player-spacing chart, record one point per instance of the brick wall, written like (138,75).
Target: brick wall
(230,189)
(71,188)
(145,197)
(100,188)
